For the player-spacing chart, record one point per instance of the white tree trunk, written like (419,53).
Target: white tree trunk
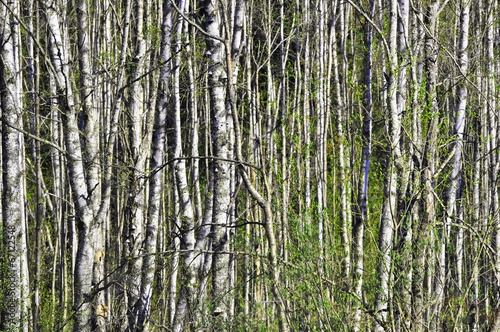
(389,210)
(187,226)
(306,116)
(15,315)
(140,151)
(455,177)
(477,224)
(494,125)
(404,237)
(222,175)
(92,161)
(339,68)
(85,252)
(143,305)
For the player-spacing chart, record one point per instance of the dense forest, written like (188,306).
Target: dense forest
(247,165)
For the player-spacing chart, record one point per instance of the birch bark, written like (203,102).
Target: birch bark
(475,323)
(187,220)
(90,145)
(404,237)
(222,179)
(15,314)
(455,178)
(321,135)
(140,146)
(307,115)
(392,178)
(85,251)
(494,126)
(339,68)
(143,305)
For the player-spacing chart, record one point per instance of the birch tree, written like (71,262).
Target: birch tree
(362,217)
(392,178)
(404,235)
(85,252)
(431,52)
(203,195)
(339,68)
(453,212)
(216,79)
(187,213)
(92,160)
(141,121)
(143,305)
(15,313)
